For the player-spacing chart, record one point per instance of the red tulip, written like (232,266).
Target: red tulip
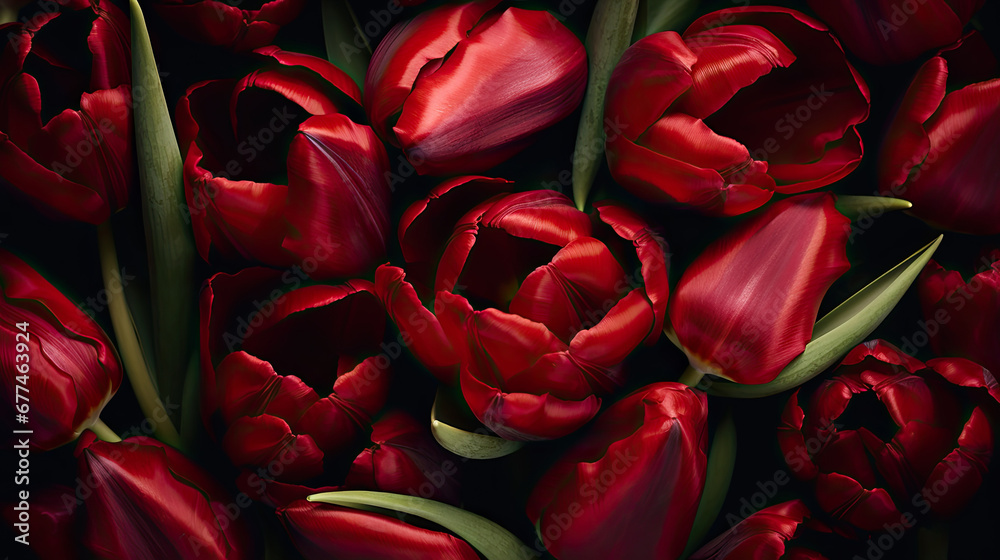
(448,88)
(963,318)
(747,305)
(297,374)
(533,304)
(893,31)
(149,501)
(767,534)
(277,172)
(631,488)
(66,118)
(966,373)
(935,460)
(230,25)
(747,102)
(56,359)
(324,532)
(939,152)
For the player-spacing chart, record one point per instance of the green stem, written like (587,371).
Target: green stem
(718,475)
(8,14)
(932,542)
(128,341)
(691,377)
(104,433)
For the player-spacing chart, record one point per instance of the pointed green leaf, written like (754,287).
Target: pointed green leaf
(663,15)
(857,207)
(472,445)
(840,330)
(609,35)
(721,461)
(169,239)
(490,539)
(346,44)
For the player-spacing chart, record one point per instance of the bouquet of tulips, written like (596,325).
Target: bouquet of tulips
(536,279)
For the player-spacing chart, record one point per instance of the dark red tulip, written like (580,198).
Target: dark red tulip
(277,172)
(935,461)
(296,373)
(768,534)
(65,109)
(150,501)
(229,24)
(631,488)
(323,532)
(67,367)
(939,152)
(747,305)
(533,306)
(747,102)
(962,318)
(448,88)
(894,31)
(405,459)
(966,373)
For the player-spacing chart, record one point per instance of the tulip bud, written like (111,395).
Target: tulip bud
(448,88)
(949,117)
(228,24)
(149,501)
(631,488)
(747,305)
(66,128)
(57,352)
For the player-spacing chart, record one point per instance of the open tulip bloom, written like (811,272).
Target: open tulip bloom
(388,280)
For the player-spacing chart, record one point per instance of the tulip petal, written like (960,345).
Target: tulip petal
(262,441)
(956,479)
(845,499)
(966,373)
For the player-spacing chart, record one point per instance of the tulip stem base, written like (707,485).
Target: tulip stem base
(104,432)
(691,377)
(128,341)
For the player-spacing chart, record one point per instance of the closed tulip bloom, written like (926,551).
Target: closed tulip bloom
(631,488)
(940,150)
(296,375)
(150,501)
(323,532)
(230,24)
(967,314)
(747,102)
(747,305)
(461,88)
(894,31)
(768,534)
(935,461)
(533,303)
(277,170)
(65,110)
(66,364)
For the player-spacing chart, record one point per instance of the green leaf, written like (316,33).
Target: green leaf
(840,330)
(663,15)
(169,239)
(491,540)
(346,44)
(609,35)
(721,461)
(472,445)
(857,207)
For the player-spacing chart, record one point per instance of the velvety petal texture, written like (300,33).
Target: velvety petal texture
(936,459)
(747,305)
(278,171)
(965,315)
(149,501)
(449,90)
(767,534)
(65,120)
(889,31)
(747,102)
(295,372)
(938,151)
(631,487)
(64,365)
(324,531)
(230,24)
